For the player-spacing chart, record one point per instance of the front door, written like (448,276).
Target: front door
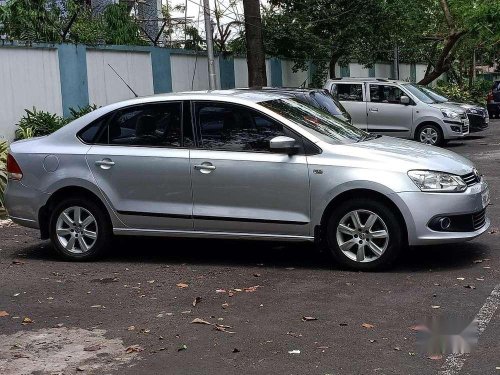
(142,166)
(386,114)
(239,186)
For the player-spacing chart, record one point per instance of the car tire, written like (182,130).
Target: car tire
(80,229)
(344,237)
(430,134)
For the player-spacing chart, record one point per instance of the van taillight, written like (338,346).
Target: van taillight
(14,172)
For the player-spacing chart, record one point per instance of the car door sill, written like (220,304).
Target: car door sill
(202,234)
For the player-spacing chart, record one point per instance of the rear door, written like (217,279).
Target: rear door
(351,96)
(239,186)
(386,114)
(141,163)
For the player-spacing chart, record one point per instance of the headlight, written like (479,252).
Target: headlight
(449,113)
(431,181)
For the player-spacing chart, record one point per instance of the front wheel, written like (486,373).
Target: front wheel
(79,229)
(430,134)
(363,234)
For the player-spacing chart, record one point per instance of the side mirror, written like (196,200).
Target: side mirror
(404,100)
(283,145)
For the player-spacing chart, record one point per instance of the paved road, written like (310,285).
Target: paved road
(82,314)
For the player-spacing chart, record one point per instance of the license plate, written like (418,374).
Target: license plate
(485,197)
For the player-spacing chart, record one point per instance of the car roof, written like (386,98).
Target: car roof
(252,95)
(365,79)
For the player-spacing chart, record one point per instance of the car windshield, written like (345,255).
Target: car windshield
(419,93)
(324,125)
(434,95)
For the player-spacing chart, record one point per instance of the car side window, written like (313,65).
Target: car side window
(157,125)
(348,91)
(385,94)
(229,127)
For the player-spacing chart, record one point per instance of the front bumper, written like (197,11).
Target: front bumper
(454,129)
(423,207)
(478,122)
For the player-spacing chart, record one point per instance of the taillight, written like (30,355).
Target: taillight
(14,172)
(489,98)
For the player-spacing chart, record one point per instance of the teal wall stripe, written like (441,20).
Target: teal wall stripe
(162,72)
(73,73)
(371,71)
(226,72)
(413,73)
(276,73)
(345,71)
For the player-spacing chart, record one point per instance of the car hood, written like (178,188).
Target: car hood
(448,105)
(403,155)
(466,105)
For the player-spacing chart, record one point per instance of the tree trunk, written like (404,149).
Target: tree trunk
(256,59)
(333,60)
(445,59)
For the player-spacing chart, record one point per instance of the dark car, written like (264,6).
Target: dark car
(318,98)
(477,115)
(493,100)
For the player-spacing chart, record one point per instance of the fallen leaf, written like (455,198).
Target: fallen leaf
(469,286)
(196,301)
(27,320)
(294,351)
(96,306)
(3,313)
(151,281)
(308,318)
(461,278)
(235,350)
(17,262)
(183,347)
(367,325)
(222,328)
(372,341)
(436,306)
(200,321)
(397,348)
(220,291)
(134,349)
(256,274)
(130,328)
(251,289)
(478,261)
(59,325)
(182,285)
(224,305)
(343,324)
(435,357)
(92,348)
(493,231)
(479,279)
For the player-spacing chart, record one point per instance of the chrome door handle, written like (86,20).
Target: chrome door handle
(373,109)
(206,167)
(105,163)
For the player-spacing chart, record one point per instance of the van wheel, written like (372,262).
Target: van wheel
(364,235)
(80,229)
(430,134)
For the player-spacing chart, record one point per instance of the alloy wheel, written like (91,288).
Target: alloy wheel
(429,136)
(362,236)
(76,230)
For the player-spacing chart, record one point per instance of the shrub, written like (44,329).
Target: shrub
(3,171)
(38,123)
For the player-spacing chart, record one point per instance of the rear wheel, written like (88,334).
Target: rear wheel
(79,229)
(430,134)
(364,234)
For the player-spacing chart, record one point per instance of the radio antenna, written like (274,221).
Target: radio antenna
(126,84)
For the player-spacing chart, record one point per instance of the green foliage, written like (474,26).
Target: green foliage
(38,123)
(52,21)
(475,94)
(3,172)
(80,111)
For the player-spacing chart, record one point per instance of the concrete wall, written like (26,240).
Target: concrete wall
(28,78)
(190,72)
(105,87)
(241,72)
(291,78)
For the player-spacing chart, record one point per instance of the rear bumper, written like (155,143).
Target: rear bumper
(493,108)
(23,203)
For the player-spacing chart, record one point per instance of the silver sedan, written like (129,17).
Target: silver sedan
(240,164)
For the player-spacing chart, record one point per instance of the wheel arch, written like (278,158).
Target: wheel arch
(63,193)
(366,193)
(428,122)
